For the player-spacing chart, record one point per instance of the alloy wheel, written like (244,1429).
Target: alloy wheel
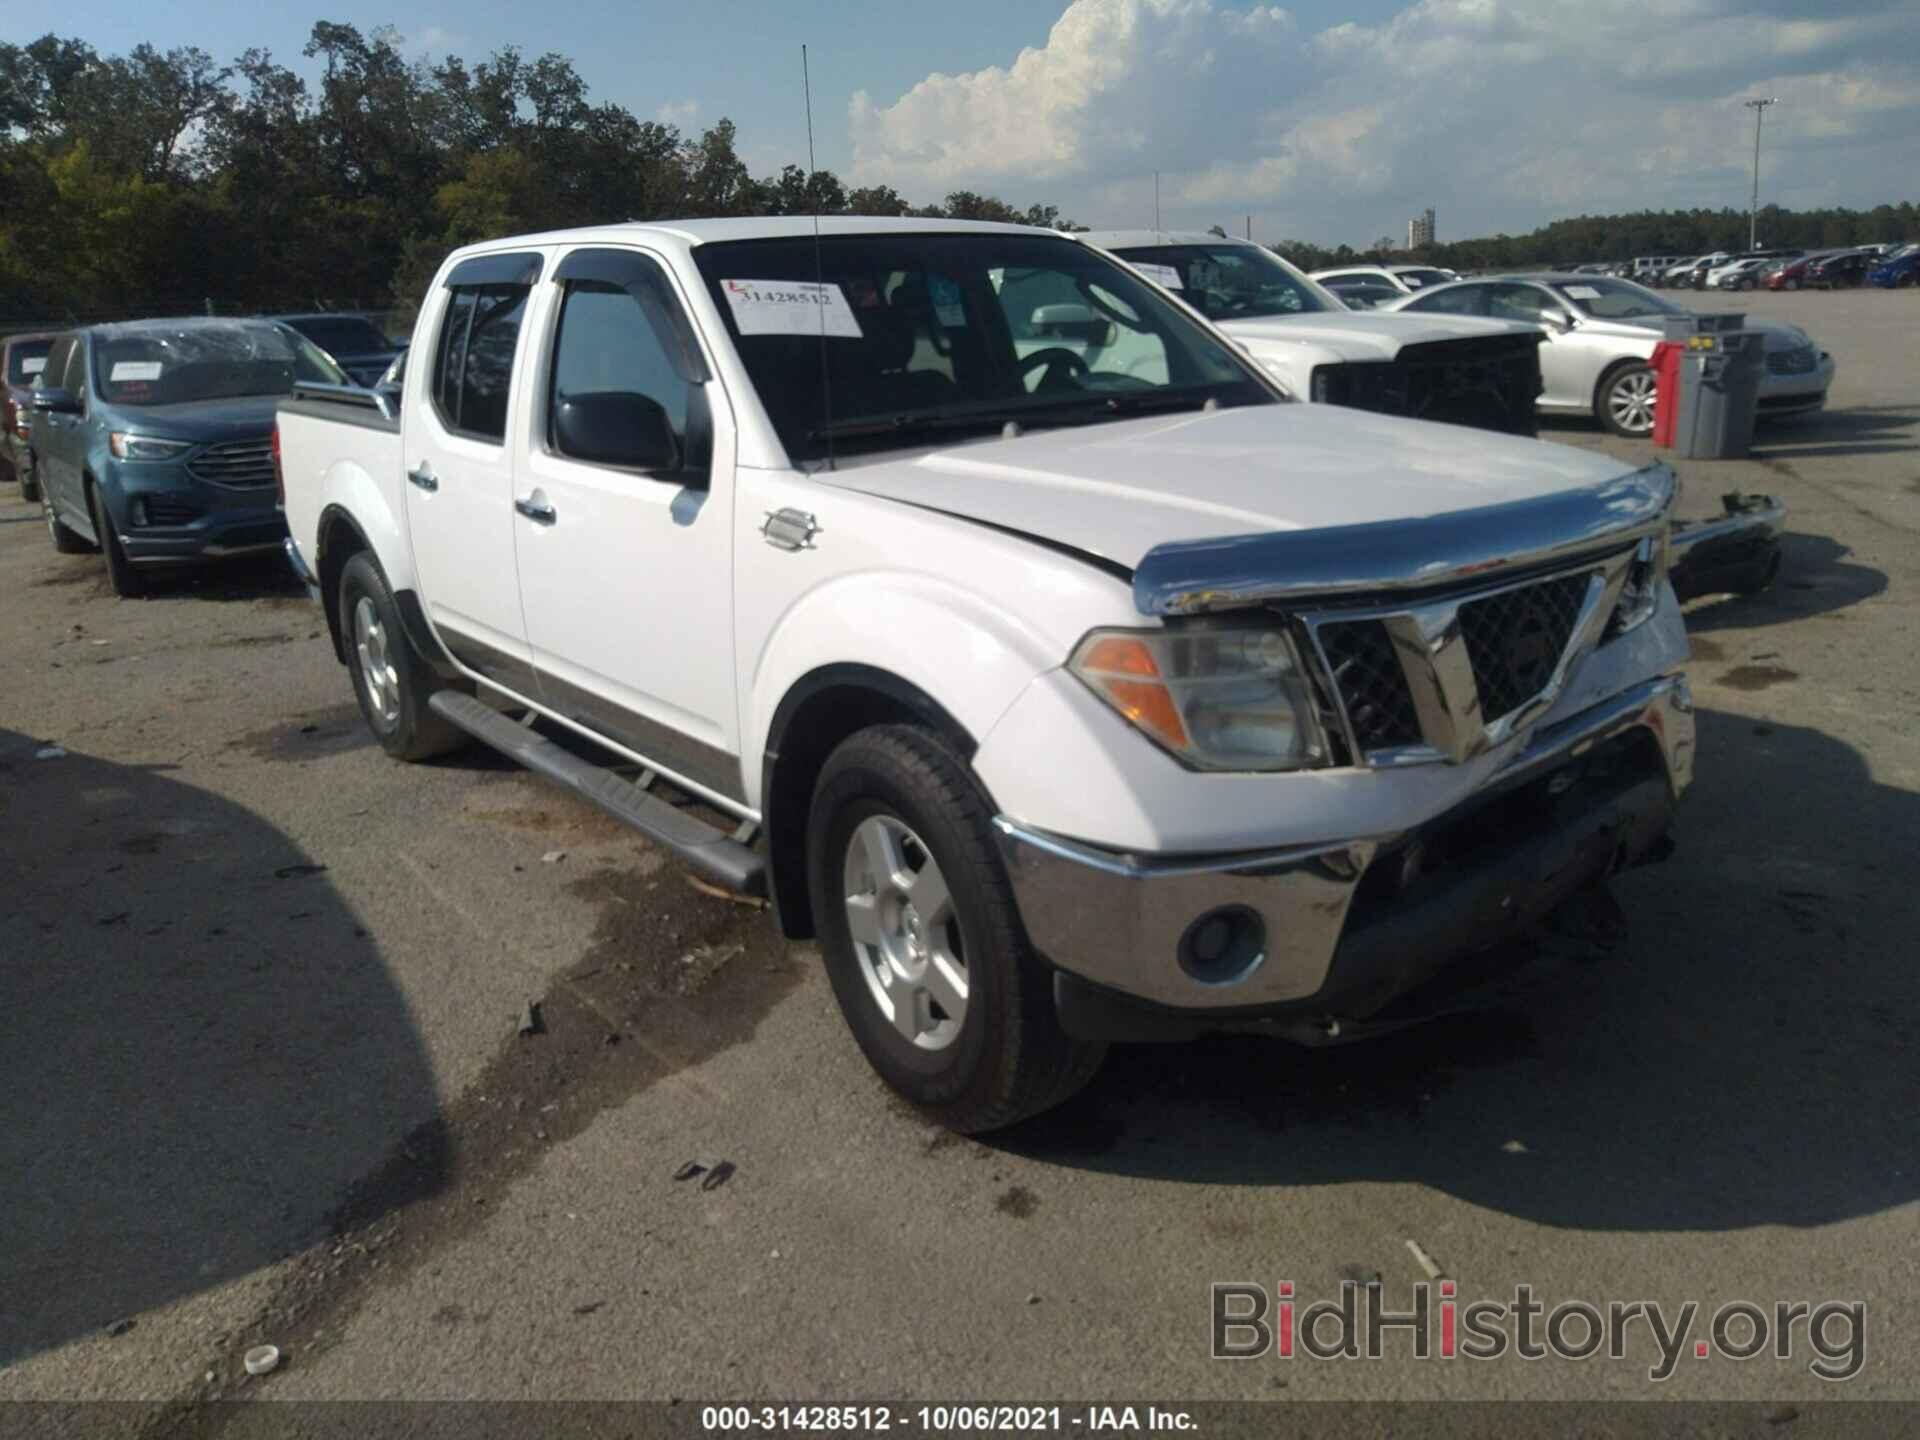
(377,669)
(1630,401)
(906,933)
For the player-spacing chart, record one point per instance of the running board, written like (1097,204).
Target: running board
(710,851)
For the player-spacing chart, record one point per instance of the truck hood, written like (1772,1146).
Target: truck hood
(1366,335)
(1117,490)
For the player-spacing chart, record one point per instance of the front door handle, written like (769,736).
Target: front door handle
(423,476)
(537,511)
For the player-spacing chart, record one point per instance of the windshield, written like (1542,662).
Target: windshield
(951,332)
(1904,251)
(1230,282)
(26,359)
(1607,299)
(343,334)
(174,365)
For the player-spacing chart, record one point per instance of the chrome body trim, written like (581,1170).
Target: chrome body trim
(1116,919)
(1764,519)
(1192,577)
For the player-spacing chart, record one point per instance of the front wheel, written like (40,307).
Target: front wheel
(1793,285)
(127,581)
(390,679)
(922,937)
(1626,400)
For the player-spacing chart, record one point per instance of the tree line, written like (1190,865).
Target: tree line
(147,181)
(1588,238)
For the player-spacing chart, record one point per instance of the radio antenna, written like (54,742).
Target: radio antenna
(819,267)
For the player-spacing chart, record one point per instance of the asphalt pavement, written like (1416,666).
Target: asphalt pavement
(262,995)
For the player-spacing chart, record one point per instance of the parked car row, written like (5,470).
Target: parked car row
(1600,336)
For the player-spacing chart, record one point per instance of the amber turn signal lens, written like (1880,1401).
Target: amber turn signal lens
(1123,668)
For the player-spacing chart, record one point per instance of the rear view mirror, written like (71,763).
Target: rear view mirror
(616,427)
(55,401)
(1068,321)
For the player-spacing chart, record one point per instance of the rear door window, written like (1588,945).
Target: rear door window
(473,369)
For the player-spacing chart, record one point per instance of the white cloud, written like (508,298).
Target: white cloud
(677,112)
(1501,113)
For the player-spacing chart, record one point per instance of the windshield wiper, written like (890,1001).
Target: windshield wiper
(906,422)
(1059,409)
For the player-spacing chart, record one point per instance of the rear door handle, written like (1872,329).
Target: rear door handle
(537,511)
(423,476)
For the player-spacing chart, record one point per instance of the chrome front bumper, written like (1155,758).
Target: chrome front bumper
(1117,920)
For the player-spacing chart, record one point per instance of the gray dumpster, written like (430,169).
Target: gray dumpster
(1719,385)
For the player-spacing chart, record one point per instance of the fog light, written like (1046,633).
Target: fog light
(137,512)
(1223,946)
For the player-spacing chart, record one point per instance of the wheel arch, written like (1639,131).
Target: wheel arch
(818,712)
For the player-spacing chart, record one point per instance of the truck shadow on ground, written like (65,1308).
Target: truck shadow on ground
(1750,1057)
(200,1046)
(1816,578)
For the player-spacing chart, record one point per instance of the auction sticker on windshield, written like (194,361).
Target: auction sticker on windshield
(134,370)
(33,364)
(790,307)
(1167,277)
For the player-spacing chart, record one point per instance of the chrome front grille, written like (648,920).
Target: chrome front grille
(1370,683)
(1444,679)
(238,464)
(1800,360)
(1515,640)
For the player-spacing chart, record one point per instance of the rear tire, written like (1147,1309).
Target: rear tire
(29,482)
(1624,399)
(390,680)
(917,919)
(66,540)
(128,583)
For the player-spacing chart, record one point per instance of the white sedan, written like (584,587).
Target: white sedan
(1600,338)
(1738,274)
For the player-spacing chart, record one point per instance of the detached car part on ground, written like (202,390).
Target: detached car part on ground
(1479,372)
(149,440)
(1060,702)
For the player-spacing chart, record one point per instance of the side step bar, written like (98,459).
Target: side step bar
(710,851)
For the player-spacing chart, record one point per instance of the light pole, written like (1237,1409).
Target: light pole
(1759,108)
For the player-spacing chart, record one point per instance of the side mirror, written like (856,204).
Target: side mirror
(1557,320)
(616,427)
(55,401)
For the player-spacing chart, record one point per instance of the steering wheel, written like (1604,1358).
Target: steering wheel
(1062,365)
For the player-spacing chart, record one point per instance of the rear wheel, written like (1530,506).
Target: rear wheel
(1793,285)
(127,581)
(29,482)
(390,680)
(923,940)
(1624,400)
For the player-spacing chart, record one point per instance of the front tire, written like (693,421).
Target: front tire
(29,482)
(1625,398)
(390,680)
(922,937)
(128,583)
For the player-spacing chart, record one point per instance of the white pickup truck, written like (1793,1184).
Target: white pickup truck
(1060,704)
(1467,370)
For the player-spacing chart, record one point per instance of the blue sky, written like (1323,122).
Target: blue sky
(1326,120)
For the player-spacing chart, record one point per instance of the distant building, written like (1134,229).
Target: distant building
(1420,230)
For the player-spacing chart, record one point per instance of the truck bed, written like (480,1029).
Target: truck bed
(341,446)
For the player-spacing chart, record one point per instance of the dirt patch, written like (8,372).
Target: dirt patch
(73,575)
(1757,677)
(627,1015)
(242,642)
(539,807)
(312,736)
(1699,647)
(1017,1201)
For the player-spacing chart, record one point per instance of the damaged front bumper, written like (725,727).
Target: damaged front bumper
(1737,552)
(1297,940)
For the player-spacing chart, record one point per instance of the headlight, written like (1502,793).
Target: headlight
(1640,596)
(126,446)
(1217,698)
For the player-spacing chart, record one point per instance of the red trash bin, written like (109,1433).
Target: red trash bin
(1666,396)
